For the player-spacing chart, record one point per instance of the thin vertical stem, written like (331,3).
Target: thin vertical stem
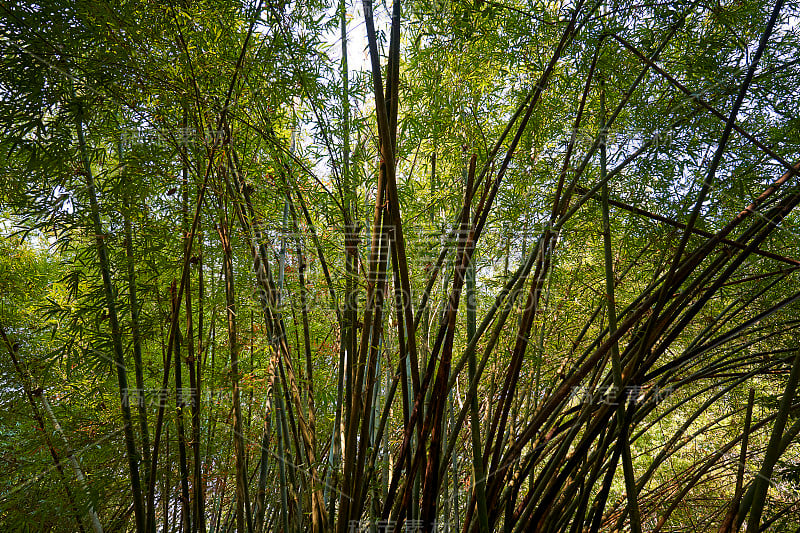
(243,519)
(616,367)
(180,407)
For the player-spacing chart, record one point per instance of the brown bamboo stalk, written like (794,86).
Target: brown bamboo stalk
(243,519)
(438,397)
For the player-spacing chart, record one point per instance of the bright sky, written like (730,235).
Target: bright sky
(357,53)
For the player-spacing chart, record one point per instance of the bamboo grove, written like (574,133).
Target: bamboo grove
(531,267)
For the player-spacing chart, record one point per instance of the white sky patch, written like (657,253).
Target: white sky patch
(357,52)
(358,62)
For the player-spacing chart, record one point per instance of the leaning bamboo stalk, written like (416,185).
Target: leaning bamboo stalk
(755,498)
(678,439)
(697,231)
(274,321)
(116,333)
(697,97)
(309,365)
(541,271)
(707,183)
(565,166)
(779,212)
(198,489)
(13,349)
(765,226)
(479,479)
(404,365)
(484,204)
(642,303)
(355,448)
(150,519)
(480,219)
(720,452)
(76,467)
(439,392)
(137,344)
(727,522)
(211,152)
(386,114)
(506,299)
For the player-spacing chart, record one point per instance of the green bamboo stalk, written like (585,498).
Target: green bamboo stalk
(276,327)
(116,333)
(755,498)
(197,503)
(284,483)
(135,334)
(439,391)
(137,344)
(727,523)
(616,367)
(150,519)
(180,407)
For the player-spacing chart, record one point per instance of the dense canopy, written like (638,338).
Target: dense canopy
(422,265)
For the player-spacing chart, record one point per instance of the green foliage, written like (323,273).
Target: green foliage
(203,112)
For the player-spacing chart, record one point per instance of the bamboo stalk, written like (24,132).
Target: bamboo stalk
(727,523)
(13,349)
(627,464)
(243,516)
(76,467)
(137,345)
(180,407)
(116,333)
